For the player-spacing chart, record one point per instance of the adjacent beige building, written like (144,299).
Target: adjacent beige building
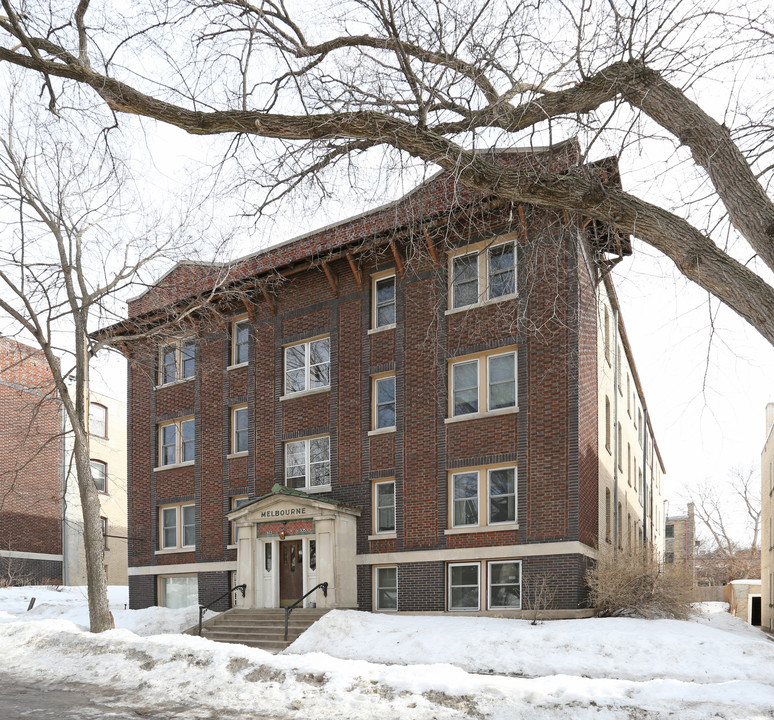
(107,444)
(680,542)
(767,524)
(631,470)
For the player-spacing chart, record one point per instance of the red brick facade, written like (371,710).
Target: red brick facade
(551,438)
(31,466)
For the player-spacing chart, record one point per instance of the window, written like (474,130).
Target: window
(484,274)
(483,384)
(387,588)
(307,365)
(178,526)
(669,531)
(608,517)
(618,367)
(307,463)
(669,558)
(464,586)
(607,335)
(500,491)
(639,427)
(628,395)
(236,502)
(504,585)
(384,402)
(384,301)
(97,420)
(629,463)
(267,557)
(607,423)
(177,361)
(619,527)
(240,341)
(176,442)
(619,448)
(179,591)
(99,475)
(239,429)
(104,524)
(384,507)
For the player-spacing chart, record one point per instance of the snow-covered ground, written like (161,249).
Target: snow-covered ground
(362,666)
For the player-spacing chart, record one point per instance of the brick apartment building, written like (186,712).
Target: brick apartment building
(31,461)
(430,407)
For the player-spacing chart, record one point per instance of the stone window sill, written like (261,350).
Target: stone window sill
(181,381)
(381,431)
(238,365)
(189,463)
(384,536)
(479,415)
(375,330)
(304,393)
(482,303)
(481,529)
(172,551)
(231,456)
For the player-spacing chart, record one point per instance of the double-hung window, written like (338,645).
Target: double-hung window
(99,475)
(384,507)
(177,361)
(483,383)
(384,301)
(384,402)
(308,463)
(464,581)
(97,420)
(503,585)
(239,433)
(492,490)
(240,341)
(308,365)
(178,526)
(387,588)
(176,442)
(486,273)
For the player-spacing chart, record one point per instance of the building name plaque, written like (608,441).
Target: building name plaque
(285,512)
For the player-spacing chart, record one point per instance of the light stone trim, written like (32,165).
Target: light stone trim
(30,555)
(184,568)
(477,553)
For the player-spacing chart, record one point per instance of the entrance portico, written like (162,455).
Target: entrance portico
(288,542)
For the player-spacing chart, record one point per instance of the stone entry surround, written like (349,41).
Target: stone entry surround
(327,530)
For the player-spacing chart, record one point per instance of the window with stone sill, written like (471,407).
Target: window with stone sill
(307,365)
(177,526)
(483,497)
(482,383)
(177,361)
(176,442)
(485,273)
(308,463)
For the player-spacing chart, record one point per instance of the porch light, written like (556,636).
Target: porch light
(282,532)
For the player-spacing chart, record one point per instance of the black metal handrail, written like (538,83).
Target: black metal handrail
(289,609)
(203,608)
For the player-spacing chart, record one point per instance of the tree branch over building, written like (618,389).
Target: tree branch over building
(437,81)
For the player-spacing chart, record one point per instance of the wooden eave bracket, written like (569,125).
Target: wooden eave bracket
(431,248)
(251,310)
(523,222)
(398,258)
(269,299)
(332,279)
(356,271)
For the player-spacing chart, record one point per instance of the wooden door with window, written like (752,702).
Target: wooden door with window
(291,572)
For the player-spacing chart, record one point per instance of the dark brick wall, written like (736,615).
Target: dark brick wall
(211,585)
(16,571)
(142,591)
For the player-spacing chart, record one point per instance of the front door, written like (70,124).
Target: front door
(291,572)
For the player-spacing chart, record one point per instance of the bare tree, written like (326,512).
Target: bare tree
(73,247)
(435,81)
(731,517)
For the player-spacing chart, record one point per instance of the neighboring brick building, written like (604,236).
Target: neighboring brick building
(31,463)
(680,542)
(422,406)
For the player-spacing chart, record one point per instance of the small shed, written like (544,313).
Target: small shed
(744,600)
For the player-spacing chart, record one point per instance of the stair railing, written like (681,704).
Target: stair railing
(204,608)
(289,609)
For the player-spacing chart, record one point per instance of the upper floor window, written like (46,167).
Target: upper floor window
(178,526)
(384,301)
(97,420)
(384,402)
(177,361)
(99,475)
(236,502)
(308,365)
(384,507)
(308,463)
(669,531)
(104,523)
(483,383)
(239,433)
(483,497)
(487,273)
(176,442)
(240,340)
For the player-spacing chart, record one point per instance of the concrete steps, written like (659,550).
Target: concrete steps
(263,629)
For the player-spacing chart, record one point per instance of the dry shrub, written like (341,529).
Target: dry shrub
(631,583)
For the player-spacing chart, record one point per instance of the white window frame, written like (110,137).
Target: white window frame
(377,587)
(449,585)
(483,498)
(236,432)
(378,530)
(180,349)
(375,305)
(179,444)
(236,345)
(489,565)
(483,387)
(307,366)
(308,487)
(162,588)
(177,511)
(103,465)
(375,381)
(483,272)
(103,421)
